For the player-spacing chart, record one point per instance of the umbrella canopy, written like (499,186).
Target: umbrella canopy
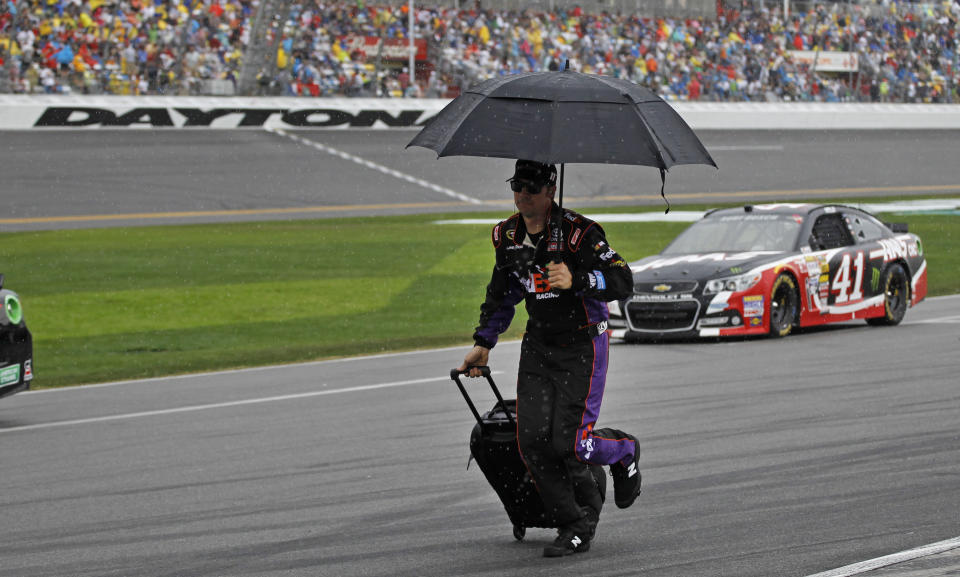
(561,117)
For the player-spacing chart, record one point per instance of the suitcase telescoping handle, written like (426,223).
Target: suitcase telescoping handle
(485,371)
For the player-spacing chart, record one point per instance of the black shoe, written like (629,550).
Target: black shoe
(626,480)
(573,538)
(593,518)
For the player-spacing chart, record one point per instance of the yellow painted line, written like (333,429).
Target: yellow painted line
(457,204)
(238,212)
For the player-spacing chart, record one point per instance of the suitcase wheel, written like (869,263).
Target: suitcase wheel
(519,531)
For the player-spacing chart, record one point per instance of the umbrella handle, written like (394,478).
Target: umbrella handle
(562,165)
(559,259)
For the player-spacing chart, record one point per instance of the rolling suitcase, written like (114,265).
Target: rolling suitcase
(493,445)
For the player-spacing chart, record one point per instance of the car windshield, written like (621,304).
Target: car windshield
(738,233)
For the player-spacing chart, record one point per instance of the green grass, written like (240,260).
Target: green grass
(122,303)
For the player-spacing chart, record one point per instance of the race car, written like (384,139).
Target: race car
(16,345)
(766,269)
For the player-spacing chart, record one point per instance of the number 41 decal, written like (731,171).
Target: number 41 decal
(842,282)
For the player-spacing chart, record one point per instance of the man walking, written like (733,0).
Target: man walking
(560,264)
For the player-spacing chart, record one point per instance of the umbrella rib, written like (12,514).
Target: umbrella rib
(630,97)
(635,104)
(463,118)
(656,146)
(554,119)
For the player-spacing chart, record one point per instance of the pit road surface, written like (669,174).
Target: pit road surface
(761,458)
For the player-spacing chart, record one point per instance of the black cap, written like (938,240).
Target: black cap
(535,172)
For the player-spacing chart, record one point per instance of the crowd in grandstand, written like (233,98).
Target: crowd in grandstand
(907,52)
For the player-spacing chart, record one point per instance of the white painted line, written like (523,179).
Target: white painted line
(692,215)
(255,369)
(194,408)
(913,205)
(375,166)
(879,562)
(651,216)
(770,147)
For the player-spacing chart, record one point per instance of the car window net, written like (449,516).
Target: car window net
(830,232)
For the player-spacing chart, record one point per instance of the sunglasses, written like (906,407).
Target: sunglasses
(532,187)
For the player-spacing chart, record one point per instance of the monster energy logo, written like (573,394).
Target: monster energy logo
(735,269)
(875,280)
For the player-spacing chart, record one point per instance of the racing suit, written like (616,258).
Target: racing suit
(563,357)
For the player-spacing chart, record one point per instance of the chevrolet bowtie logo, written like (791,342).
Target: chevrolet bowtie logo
(661,288)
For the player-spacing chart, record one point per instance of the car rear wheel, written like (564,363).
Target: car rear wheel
(784,306)
(896,294)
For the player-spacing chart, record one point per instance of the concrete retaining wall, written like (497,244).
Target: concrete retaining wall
(128,112)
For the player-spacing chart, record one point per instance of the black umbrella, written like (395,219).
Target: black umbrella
(561,117)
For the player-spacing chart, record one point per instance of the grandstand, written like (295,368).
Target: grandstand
(699,50)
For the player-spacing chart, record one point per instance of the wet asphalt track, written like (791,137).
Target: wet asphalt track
(761,458)
(94,178)
(765,458)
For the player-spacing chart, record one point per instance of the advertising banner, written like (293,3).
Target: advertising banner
(393,48)
(826,61)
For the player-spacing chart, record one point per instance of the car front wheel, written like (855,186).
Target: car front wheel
(896,293)
(784,306)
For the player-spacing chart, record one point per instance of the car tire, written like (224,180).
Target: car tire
(896,296)
(784,306)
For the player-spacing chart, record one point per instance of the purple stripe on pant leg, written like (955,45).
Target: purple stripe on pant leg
(593,449)
(589,448)
(598,379)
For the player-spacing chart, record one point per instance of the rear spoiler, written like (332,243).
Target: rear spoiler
(897,226)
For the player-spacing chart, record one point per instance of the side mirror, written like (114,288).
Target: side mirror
(897,226)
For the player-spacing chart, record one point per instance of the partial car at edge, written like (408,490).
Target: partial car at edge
(766,269)
(16,345)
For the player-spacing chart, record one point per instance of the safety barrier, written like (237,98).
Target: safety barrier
(121,112)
